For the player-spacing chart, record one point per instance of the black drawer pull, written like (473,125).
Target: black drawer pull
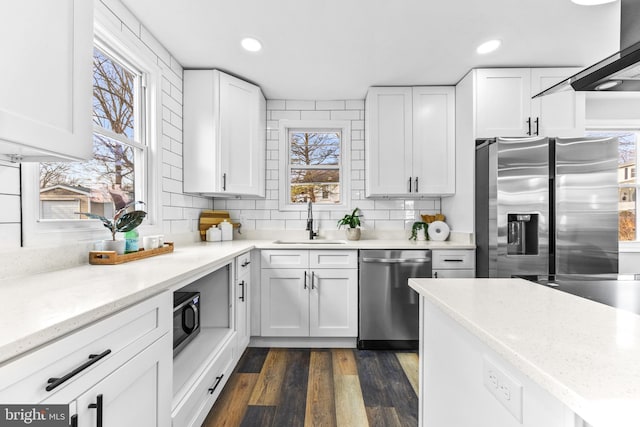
(74,420)
(453,260)
(244,264)
(98,407)
(218,379)
(242,286)
(93,358)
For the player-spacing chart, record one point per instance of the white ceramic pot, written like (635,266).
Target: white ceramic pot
(114,245)
(421,235)
(353,234)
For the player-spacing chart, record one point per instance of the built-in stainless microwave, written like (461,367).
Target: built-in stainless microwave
(186,319)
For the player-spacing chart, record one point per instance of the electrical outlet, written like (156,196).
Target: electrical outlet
(504,388)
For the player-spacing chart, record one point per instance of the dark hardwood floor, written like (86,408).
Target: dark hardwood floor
(319,387)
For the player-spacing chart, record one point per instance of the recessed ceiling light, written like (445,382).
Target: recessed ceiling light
(489,46)
(608,85)
(591,2)
(251,44)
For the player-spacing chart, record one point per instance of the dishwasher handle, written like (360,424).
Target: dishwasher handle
(396,260)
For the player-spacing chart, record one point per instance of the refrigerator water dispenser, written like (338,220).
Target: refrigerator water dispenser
(522,234)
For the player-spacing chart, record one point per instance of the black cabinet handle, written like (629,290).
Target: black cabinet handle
(409,184)
(93,358)
(529,126)
(224,182)
(537,125)
(305,280)
(416,190)
(218,379)
(244,264)
(453,260)
(74,420)
(313,278)
(98,407)
(435,274)
(242,286)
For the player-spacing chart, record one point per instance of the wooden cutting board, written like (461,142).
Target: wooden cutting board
(210,218)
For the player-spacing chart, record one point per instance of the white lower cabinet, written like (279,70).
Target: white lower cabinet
(453,263)
(242,302)
(309,293)
(121,366)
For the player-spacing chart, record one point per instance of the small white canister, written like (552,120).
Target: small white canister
(227,230)
(214,234)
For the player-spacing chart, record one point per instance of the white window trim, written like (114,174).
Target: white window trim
(345,163)
(55,232)
(622,125)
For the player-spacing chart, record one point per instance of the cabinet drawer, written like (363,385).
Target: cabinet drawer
(243,264)
(194,407)
(333,259)
(118,338)
(285,258)
(455,259)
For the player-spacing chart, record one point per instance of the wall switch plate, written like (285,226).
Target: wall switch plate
(503,387)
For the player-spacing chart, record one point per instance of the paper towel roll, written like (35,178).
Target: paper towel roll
(438,231)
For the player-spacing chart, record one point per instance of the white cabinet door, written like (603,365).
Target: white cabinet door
(284,300)
(333,303)
(135,395)
(503,102)
(242,136)
(434,141)
(389,136)
(45,84)
(224,135)
(560,114)
(453,274)
(243,322)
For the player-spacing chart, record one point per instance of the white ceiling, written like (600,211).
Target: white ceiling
(336,49)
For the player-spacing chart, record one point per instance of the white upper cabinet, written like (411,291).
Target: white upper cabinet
(45,81)
(224,135)
(504,106)
(410,141)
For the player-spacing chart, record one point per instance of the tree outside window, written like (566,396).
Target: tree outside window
(110,176)
(314,166)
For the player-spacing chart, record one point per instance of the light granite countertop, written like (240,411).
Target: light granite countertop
(584,353)
(39,308)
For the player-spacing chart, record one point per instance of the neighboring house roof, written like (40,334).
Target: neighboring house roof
(73,188)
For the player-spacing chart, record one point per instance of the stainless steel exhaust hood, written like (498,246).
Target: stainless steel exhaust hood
(620,71)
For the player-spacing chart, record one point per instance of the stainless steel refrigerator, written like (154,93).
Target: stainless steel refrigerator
(546,206)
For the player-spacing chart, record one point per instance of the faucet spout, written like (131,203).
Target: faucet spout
(309,228)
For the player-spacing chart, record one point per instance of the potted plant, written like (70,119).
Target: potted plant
(419,231)
(353,222)
(124,219)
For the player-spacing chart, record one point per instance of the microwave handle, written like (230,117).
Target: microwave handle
(195,319)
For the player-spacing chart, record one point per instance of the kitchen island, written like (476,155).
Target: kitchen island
(508,352)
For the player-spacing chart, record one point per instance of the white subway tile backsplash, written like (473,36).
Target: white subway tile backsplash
(355,104)
(272,184)
(125,16)
(181,200)
(330,105)
(315,115)
(277,224)
(373,214)
(275,104)
(389,225)
(181,226)
(171,213)
(289,115)
(254,214)
(285,215)
(299,105)
(389,204)
(345,115)
(171,185)
(267,204)
(153,44)
(241,204)
(171,131)
(176,173)
(357,125)
(291,224)
(171,158)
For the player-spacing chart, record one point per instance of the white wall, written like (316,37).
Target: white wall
(379,215)
(180,211)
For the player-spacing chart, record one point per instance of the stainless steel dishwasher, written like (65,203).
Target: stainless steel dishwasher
(388,315)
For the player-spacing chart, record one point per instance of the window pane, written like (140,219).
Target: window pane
(314,148)
(113,95)
(92,185)
(318,185)
(627,222)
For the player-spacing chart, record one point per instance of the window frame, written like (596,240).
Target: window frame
(623,126)
(37,232)
(344,167)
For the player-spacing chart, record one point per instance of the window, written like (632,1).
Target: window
(315,157)
(627,184)
(115,172)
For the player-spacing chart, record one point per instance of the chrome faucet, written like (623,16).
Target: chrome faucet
(309,228)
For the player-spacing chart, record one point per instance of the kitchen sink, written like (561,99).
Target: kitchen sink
(311,242)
